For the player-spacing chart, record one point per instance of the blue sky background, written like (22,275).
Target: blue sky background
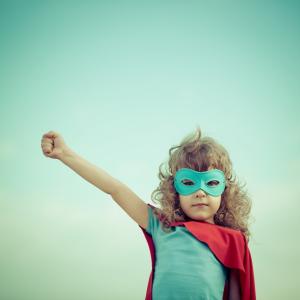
(123,81)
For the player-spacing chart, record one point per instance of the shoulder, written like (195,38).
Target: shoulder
(231,230)
(156,211)
(160,216)
(153,219)
(233,233)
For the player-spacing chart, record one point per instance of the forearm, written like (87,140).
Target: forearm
(93,174)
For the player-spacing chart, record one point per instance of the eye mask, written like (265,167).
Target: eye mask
(188,181)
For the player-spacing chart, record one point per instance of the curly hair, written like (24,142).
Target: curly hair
(199,153)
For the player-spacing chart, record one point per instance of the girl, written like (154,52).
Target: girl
(198,235)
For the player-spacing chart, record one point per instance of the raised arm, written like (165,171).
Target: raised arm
(54,146)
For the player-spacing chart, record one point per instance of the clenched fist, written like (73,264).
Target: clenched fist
(53,145)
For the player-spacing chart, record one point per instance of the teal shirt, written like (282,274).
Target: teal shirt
(185,268)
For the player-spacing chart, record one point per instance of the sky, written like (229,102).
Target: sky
(122,82)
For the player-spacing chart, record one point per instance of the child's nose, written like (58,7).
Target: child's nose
(200,193)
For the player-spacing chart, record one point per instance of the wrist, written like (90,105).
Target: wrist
(66,155)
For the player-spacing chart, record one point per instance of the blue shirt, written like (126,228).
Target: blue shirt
(185,268)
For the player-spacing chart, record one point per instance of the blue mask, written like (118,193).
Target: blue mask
(188,181)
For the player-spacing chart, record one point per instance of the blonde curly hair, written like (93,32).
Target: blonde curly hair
(199,153)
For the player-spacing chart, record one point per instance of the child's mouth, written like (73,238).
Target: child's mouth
(200,204)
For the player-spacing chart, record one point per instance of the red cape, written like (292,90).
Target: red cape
(228,245)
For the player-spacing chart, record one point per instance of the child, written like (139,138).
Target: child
(198,236)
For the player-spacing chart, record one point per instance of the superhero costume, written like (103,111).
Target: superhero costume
(228,245)
(188,181)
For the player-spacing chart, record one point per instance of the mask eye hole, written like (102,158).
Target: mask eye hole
(187,182)
(213,183)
